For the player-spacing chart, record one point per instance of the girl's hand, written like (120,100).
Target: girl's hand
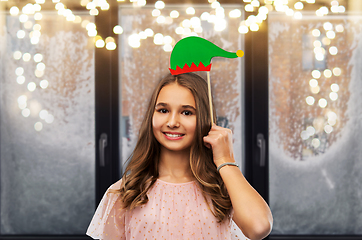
(220,140)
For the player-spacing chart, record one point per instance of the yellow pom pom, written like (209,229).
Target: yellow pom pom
(239,53)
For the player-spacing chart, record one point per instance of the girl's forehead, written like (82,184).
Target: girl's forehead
(174,93)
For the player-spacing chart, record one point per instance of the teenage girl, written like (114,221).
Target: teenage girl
(181,181)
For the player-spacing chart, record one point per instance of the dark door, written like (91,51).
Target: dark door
(305,89)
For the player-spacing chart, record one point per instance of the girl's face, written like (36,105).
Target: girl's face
(174,118)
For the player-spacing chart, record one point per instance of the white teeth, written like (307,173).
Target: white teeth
(173,135)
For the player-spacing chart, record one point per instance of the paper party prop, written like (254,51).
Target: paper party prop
(193,54)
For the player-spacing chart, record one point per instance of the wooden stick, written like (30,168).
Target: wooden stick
(210,97)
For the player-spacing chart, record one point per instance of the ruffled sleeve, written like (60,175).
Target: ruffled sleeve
(108,222)
(236,233)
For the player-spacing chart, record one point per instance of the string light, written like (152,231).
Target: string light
(43,113)
(221,24)
(333,50)
(179,30)
(40,66)
(313,83)
(167,48)
(190,11)
(20,80)
(174,14)
(31,86)
(316,74)
(254,27)
(160,19)
(160,5)
(205,16)
(304,135)
(290,12)
(38,57)
(156,12)
(19,71)
(44,84)
(38,16)
(188,28)
(134,40)
(20,34)
(25,112)
(330,34)
(327,73)
(326,41)
(310,130)
(149,32)
(142,35)
(339,28)
(333,96)
(22,99)
(195,22)
(322,102)
(23,18)
(243,29)
(328,129)
(250,6)
(335,87)
(38,126)
(337,71)
(298,5)
(316,143)
(315,90)
(110,43)
(17,55)
(255,3)
(310,100)
(14,11)
(215,4)
(26,57)
(158,39)
(316,33)
(298,15)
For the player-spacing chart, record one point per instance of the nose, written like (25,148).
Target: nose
(173,121)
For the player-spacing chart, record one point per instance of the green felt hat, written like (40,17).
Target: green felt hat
(193,54)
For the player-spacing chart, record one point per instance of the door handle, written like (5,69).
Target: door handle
(103,142)
(260,142)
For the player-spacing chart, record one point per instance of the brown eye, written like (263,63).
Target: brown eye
(187,113)
(162,110)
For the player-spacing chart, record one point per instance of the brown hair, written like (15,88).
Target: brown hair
(142,170)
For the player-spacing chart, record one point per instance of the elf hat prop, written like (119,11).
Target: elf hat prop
(193,54)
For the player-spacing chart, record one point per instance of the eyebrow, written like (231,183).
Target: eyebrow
(161,104)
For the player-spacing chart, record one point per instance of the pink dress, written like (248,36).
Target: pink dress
(174,211)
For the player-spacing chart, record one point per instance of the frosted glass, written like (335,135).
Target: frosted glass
(47,157)
(142,67)
(315,149)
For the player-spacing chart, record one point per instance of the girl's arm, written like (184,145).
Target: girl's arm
(251,212)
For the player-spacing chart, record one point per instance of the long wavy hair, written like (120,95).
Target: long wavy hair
(142,170)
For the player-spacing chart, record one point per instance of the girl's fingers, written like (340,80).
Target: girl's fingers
(208,141)
(207,145)
(218,136)
(216,127)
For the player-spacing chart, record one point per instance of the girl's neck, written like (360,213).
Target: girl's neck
(175,167)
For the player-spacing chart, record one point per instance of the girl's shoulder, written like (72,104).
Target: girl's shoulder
(116,185)
(109,210)
(113,190)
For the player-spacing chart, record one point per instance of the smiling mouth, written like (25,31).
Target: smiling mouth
(172,135)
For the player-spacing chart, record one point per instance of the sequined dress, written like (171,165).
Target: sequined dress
(174,211)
